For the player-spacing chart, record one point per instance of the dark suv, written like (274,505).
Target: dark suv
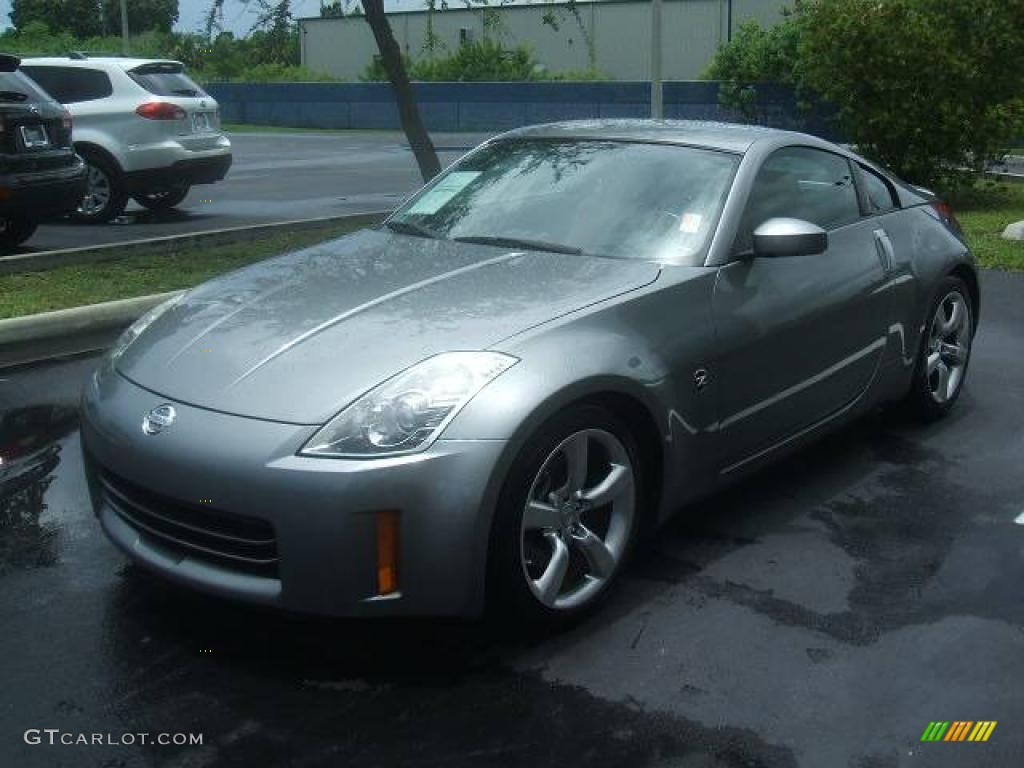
(41,177)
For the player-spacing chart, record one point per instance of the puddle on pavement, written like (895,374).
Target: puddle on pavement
(30,452)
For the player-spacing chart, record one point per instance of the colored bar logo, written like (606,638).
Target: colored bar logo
(959,730)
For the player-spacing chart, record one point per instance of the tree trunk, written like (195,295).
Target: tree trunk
(408,111)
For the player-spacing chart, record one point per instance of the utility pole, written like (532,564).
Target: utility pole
(124,27)
(657,106)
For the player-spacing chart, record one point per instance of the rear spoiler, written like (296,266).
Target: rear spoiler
(159,68)
(9,63)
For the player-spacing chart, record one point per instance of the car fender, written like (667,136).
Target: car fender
(600,354)
(94,141)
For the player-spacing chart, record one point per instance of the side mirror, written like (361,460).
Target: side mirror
(789,237)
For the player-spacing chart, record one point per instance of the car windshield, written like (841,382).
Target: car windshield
(610,198)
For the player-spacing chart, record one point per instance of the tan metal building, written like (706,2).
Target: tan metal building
(612,36)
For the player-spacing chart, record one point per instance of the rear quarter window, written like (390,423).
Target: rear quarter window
(71,85)
(878,192)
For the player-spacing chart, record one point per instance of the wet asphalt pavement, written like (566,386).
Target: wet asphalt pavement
(277,177)
(820,614)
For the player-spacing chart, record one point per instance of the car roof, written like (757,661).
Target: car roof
(728,137)
(119,62)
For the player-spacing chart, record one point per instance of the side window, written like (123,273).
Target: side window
(800,183)
(71,85)
(880,196)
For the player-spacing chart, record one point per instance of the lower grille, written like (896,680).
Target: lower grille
(236,542)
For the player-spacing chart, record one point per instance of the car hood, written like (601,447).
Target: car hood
(298,337)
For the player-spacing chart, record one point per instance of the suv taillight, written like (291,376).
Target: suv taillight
(945,211)
(160,110)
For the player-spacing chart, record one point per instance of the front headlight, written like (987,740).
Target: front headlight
(135,329)
(407,412)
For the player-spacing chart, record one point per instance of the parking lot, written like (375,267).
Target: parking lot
(820,614)
(277,177)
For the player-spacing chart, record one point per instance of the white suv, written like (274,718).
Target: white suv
(143,127)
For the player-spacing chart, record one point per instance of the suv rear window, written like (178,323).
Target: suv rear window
(165,80)
(13,83)
(71,85)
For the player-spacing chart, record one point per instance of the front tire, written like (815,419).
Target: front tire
(105,196)
(163,200)
(566,518)
(945,352)
(14,232)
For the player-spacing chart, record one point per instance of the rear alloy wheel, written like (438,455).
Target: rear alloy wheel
(14,232)
(567,517)
(945,351)
(105,196)
(163,200)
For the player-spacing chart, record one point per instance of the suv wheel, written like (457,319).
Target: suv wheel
(14,232)
(105,196)
(163,200)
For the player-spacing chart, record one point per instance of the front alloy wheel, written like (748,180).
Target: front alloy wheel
(566,518)
(577,520)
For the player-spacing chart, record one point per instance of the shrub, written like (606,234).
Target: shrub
(755,55)
(259,57)
(484,60)
(933,89)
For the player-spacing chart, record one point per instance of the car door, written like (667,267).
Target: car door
(800,338)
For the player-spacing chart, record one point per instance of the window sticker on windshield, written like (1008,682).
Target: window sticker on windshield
(689,223)
(445,190)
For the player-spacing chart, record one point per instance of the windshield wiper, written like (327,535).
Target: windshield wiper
(518,242)
(185,91)
(412,228)
(13,96)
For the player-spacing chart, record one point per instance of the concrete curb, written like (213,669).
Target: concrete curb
(36,262)
(33,338)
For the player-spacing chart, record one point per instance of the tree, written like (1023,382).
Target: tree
(276,27)
(79,17)
(408,111)
(930,88)
(755,56)
(143,15)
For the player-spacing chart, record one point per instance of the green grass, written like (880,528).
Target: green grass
(72,286)
(984,212)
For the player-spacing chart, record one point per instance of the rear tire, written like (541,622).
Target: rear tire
(944,354)
(566,519)
(14,232)
(106,196)
(163,200)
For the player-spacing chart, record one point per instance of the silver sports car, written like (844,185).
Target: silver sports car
(572,332)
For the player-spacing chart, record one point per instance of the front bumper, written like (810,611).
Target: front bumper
(43,195)
(322,511)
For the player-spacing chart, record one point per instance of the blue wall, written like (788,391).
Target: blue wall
(490,106)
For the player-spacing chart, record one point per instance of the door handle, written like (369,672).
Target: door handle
(886,254)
